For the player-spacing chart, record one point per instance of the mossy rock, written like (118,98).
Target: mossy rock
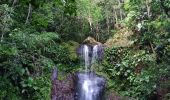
(120,39)
(91,41)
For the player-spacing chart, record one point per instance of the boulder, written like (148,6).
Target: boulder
(91,41)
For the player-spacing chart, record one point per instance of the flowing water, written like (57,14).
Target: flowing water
(95,54)
(86,57)
(89,85)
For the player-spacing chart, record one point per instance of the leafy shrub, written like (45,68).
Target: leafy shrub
(27,61)
(132,73)
(7,90)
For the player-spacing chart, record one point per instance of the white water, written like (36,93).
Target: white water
(95,55)
(90,86)
(86,57)
(90,83)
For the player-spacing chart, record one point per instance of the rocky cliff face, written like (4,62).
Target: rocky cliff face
(62,89)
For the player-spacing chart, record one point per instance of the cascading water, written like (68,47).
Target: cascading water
(89,85)
(86,57)
(95,54)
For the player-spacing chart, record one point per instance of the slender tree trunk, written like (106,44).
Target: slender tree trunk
(148,7)
(120,10)
(121,17)
(107,16)
(14,2)
(90,17)
(3,33)
(82,29)
(97,32)
(29,12)
(107,23)
(115,15)
(90,22)
(2,36)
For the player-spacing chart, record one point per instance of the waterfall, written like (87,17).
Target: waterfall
(86,57)
(95,54)
(94,57)
(89,85)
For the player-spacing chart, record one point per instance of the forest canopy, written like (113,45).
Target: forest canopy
(37,36)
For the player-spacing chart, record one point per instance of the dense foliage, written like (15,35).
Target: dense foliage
(136,71)
(38,35)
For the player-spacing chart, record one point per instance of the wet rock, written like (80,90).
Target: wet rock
(54,74)
(100,51)
(63,89)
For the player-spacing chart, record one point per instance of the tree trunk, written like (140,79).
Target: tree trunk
(107,23)
(148,7)
(97,32)
(90,22)
(3,33)
(115,15)
(120,10)
(2,36)
(29,12)
(13,3)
